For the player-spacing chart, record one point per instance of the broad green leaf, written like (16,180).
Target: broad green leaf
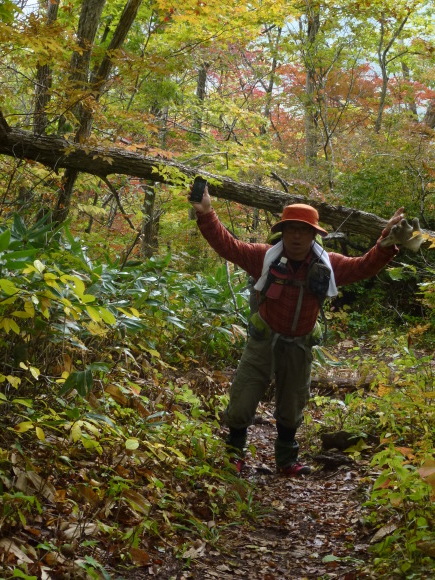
(91,444)
(25,402)
(395,273)
(82,381)
(4,240)
(17,572)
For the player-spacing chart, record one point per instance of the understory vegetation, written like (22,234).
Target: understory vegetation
(114,377)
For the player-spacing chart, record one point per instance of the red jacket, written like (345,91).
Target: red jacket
(279,313)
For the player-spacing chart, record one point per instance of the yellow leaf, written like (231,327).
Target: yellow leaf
(52,284)
(35,372)
(14,381)
(76,432)
(29,308)
(384,390)
(25,402)
(23,426)
(88,298)
(39,266)
(21,314)
(96,329)
(152,352)
(93,313)
(78,284)
(107,316)
(10,324)
(130,313)
(45,303)
(40,433)
(8,287)
(90,427)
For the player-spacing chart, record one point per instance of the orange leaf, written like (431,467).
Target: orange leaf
(406,451)
(139,557)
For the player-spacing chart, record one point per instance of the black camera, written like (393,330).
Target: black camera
(198,188)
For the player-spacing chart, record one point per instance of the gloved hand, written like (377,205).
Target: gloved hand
(404,234)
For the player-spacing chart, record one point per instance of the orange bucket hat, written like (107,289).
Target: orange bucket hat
(300,212)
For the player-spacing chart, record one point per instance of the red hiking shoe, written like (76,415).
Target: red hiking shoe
(238,464)
(294,470)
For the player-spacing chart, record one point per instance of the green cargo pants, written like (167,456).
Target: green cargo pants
(289,360)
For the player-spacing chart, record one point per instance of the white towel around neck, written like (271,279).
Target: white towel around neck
(275,251)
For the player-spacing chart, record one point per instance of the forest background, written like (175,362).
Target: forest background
(109,297)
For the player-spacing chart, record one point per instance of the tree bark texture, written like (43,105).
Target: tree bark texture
(44,80)
(57,153)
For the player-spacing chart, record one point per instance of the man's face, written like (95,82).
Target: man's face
(297,238)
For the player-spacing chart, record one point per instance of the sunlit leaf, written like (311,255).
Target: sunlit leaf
(8,287)
(40,433)
(23,426)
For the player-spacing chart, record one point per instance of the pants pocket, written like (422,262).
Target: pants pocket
(257,328)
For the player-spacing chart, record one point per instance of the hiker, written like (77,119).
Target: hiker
(280,333)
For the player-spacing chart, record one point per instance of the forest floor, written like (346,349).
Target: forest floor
(303,520)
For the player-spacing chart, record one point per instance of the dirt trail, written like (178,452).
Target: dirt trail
(305,520)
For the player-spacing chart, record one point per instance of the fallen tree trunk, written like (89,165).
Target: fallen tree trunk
(58,153)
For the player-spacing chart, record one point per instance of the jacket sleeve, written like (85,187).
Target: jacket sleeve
(248,256)
(349,269)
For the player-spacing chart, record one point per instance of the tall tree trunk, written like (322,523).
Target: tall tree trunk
(96,87)
(80,63)
(201,91)
(311,145)
(272,80)
(410,105)
(150,223)
(44,80)
(384,61)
